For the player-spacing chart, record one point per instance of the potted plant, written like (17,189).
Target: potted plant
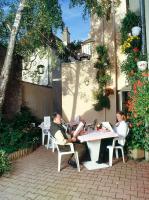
(136,30)
(136,139)
(130,20)
(132,44)
(129,66)
(109,91)
(142,65)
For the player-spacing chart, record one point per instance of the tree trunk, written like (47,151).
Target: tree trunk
(4,77)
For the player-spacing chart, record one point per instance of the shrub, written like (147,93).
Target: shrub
(137,132)
(5,164)
(19,132)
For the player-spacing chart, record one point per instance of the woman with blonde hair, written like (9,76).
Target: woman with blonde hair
(121,128)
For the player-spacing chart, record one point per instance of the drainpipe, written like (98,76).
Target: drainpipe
(142,13)
(115,54)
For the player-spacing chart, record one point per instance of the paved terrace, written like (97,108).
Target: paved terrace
(35,177)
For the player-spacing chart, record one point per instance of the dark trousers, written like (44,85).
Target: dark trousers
(79,147)
(104,152)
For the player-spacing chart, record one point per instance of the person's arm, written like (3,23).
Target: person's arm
(60,138)
(121,129)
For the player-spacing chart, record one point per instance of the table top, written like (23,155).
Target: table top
(96,135)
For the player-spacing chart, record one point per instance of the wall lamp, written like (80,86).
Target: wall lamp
(86,81)
(40,69)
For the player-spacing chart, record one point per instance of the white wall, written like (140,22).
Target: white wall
(147,24)
(86,48)
(134,6)
(45,57)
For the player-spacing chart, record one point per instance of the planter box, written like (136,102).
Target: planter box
(22,152)
(137,154)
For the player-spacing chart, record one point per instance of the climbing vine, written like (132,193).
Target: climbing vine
(102,65)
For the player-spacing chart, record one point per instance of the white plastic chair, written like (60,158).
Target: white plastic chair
(112,147)
(61,153)
(45,126)
(47,122)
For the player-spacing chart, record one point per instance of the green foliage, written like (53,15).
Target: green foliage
(130,63)
(102,77)
(102,102)
(39,19)
(137,132)
(142,103)
(130,20)
(139,95)
(5,164)
(74,47)
(100,8)
(102,65)
(103,61)
(19,132)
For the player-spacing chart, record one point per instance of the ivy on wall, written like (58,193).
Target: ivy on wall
(102,65)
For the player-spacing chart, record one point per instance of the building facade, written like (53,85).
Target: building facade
(77,97)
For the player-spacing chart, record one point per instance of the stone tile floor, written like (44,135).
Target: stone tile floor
(35,177)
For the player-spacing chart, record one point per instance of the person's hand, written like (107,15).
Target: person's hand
(69,140)
(73,139)
(83,132)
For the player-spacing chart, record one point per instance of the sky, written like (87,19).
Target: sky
(77,26)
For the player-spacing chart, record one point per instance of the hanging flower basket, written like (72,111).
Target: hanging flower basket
(142,65)
(109,91)
(136,30)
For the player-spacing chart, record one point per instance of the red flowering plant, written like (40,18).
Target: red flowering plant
(138,108)
(136,125)
(142,103)
(138,103)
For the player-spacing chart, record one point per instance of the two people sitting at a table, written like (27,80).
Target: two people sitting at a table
(62,138)
(121,128)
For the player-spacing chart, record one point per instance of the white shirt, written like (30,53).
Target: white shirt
(121,129)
